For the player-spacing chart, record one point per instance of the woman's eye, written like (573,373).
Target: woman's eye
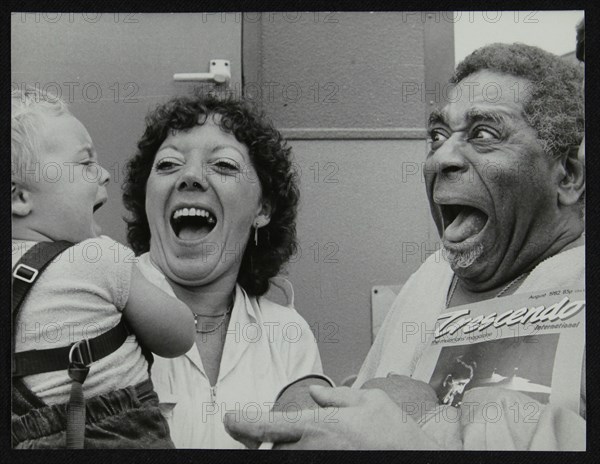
(166,164)
(226,165)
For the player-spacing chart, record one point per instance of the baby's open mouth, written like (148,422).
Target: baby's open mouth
(99,205)
(192,223)
(462,222)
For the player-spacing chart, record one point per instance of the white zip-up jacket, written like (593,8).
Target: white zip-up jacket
(267,346)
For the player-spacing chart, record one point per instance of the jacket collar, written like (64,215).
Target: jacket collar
(240,330)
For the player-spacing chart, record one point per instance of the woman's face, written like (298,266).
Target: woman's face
(202,198)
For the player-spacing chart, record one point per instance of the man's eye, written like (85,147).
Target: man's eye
(484,133)
(437,137)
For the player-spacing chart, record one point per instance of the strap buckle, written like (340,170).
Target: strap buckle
(29,275)
(83,352)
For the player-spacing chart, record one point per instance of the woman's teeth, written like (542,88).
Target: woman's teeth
(194,212)
(192,223)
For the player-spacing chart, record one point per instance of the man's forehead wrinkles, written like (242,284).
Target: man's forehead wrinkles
(445,116)
(450,117)
(455,116)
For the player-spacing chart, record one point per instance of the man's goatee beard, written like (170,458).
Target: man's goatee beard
(463,259)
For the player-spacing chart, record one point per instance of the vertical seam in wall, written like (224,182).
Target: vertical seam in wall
(436,71)
(251,55)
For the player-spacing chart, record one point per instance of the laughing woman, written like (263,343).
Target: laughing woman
(213,198)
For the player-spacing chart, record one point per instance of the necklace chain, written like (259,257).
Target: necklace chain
(210,315)
(214,329)
(501,292)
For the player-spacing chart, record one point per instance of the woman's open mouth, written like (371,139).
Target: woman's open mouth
(462,222)
(192,223)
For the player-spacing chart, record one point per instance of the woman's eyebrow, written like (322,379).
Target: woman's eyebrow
(225,146)
(164,147)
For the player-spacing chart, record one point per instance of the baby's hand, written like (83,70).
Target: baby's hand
(413,396)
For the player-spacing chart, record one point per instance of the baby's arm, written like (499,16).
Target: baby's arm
(162,323)
(413,396)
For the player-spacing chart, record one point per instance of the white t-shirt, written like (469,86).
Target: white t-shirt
(267,346)
(81,294)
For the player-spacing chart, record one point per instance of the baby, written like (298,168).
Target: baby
(56,186)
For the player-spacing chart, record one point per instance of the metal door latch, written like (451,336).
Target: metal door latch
(219,72)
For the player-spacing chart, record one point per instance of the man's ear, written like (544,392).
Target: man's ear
(21,199)
(571,185)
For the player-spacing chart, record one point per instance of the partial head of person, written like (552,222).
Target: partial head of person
(503,178)
(580,54)
(213,194)
(580,39)
(56,181)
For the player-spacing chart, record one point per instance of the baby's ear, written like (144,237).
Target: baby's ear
(21,199)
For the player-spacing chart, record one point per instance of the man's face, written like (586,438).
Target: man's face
(491,188)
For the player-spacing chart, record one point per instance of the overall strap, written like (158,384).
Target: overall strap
(31,265)
(28,269)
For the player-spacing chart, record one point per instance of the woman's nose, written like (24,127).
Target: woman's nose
(193,180)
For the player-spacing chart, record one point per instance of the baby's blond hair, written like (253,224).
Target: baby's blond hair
(27,108)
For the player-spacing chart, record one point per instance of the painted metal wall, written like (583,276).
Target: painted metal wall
(351,91)
(113,68)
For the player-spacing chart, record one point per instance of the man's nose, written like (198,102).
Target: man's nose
(193,178)
(449,158)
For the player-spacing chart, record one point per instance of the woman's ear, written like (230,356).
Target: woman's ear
(21,199)
(264,215)
(572,183)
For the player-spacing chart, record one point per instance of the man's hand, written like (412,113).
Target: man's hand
(346,419)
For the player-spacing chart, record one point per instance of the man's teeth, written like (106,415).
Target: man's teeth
(194,212)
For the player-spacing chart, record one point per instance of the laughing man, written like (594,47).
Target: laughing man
(506,191)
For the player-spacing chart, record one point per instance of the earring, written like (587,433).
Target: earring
(256,233)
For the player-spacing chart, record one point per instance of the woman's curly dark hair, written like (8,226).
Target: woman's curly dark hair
(554,107)
(270,156)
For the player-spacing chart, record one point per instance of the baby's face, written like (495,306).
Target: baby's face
(68,184)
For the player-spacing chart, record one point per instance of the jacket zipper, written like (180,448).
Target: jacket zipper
(213,399)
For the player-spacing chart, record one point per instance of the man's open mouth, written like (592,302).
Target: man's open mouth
(192,223)
(462,222)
